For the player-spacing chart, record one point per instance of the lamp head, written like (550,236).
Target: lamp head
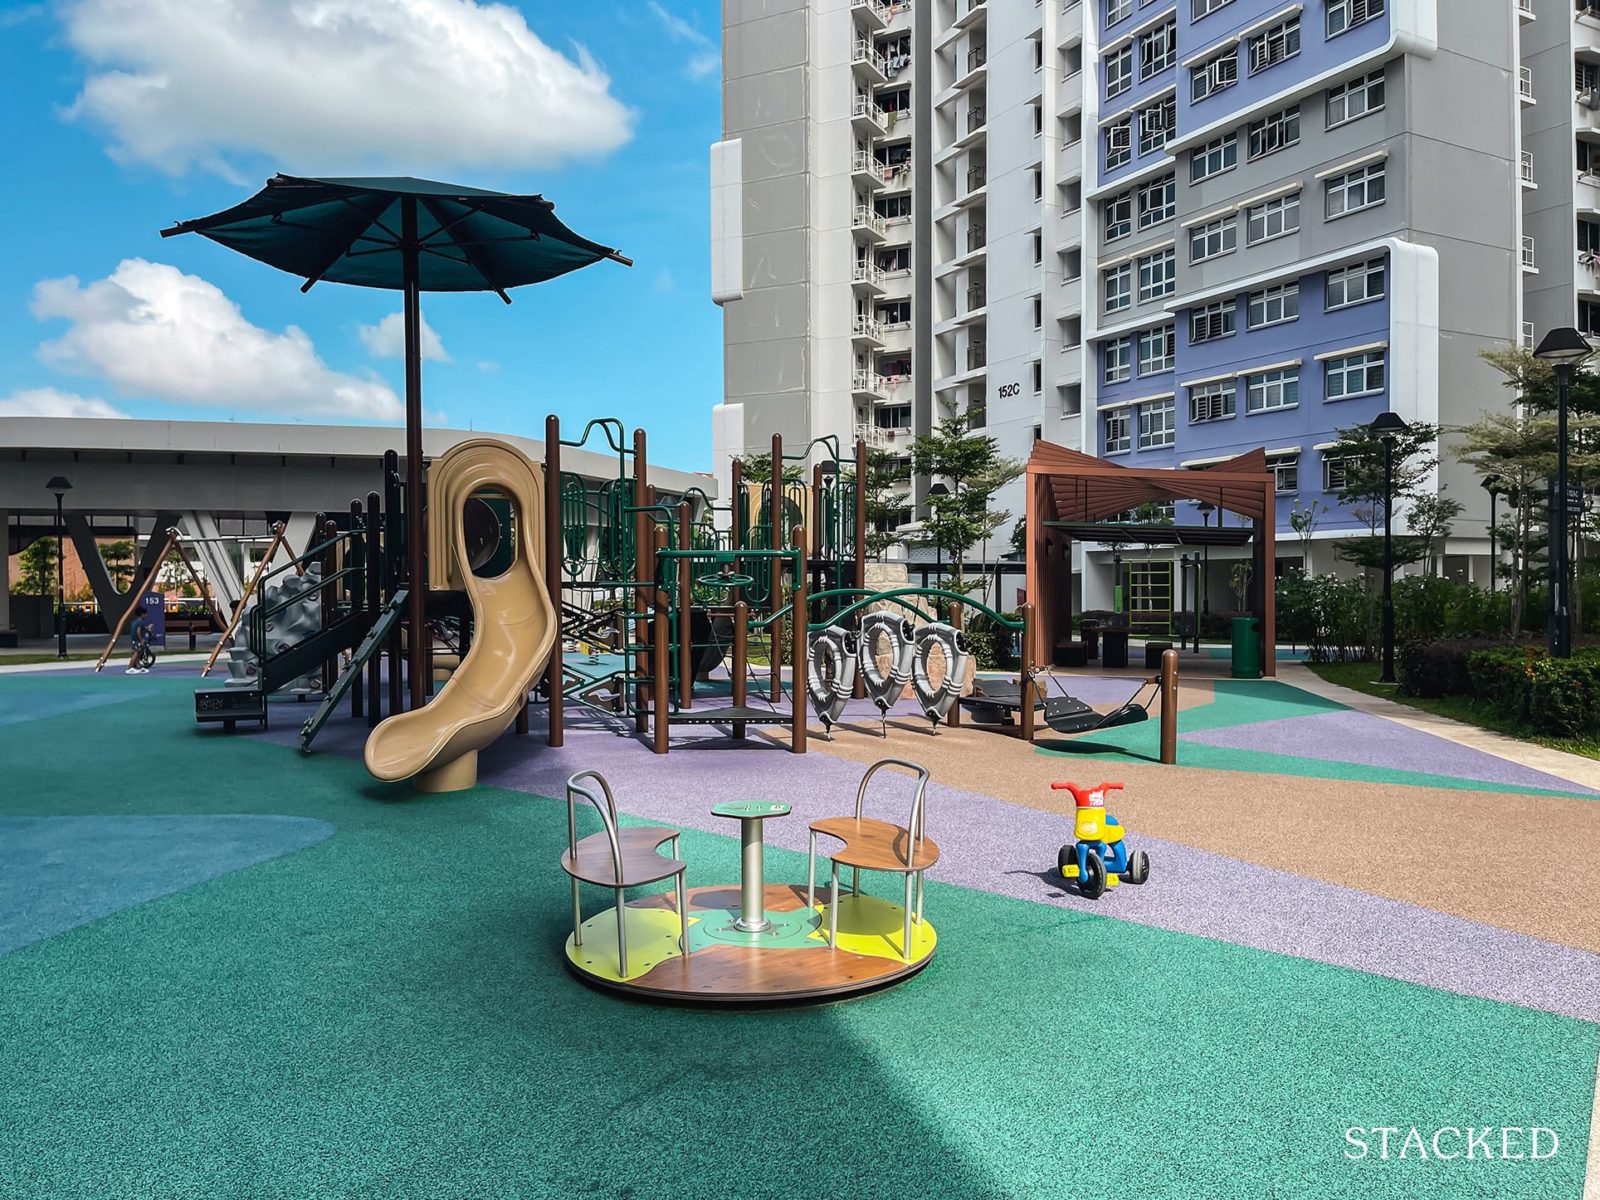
(1564,348)
(1490,484)
(1388,425)
(938,489)
(58,486)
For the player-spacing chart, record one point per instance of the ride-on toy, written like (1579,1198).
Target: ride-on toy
(1099,859)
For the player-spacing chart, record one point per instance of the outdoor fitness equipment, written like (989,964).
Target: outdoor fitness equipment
(1099,859)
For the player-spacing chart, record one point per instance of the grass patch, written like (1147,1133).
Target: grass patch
(1360,677)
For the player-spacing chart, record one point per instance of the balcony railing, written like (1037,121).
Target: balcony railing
(897,119)
(974,5)
(864,162)
(1529,260)
(977,176)
(864,53)
(977,57)
(877,437)
(868,327)
(977,118)
(867,272)
(977,238)
(1527,335)
(1527,166)
(878,8)
(866,106)
(1525,82)
(977,296)
(869,382)
(866,218)
(977,356)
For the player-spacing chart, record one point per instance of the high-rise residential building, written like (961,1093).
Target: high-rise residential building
(1162,231)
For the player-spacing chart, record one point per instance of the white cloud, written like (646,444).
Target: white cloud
(48,402)
(421,86)
(150,330)
(704,57)
(387,339)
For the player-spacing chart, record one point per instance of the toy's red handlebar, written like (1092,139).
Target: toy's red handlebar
(1081,793)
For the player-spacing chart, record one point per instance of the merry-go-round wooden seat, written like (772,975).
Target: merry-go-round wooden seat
(642,861)
(872,845)
(618,857)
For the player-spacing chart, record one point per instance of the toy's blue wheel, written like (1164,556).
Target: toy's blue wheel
(1138,867)
(1093,883)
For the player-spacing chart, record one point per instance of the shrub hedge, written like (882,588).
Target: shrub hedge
(1555,697)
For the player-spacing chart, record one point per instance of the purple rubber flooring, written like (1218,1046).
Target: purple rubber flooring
(1356,737)
(1010,850)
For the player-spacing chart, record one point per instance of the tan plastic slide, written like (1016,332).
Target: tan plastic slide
(513,629)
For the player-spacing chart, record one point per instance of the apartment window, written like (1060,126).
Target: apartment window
(1156,125)
(1157,275)
(1588,237)
(1072,400)
(1269,390)
(895,312)
(1119,72)
(1276,132)
(1587,80)
(1038,184)
(894,208)
(1215,157)
(1117,432)
(1347,14)
(1212,76)
(1038,248)
(1157,201)
(1156,424)
(1285,470)
(1274,305)
(898,259)
(1588,318)
(1158,50)
(1117,10)
(1119,216)
(1204,8)
(1355,190)
(1269,48)
(1354,375)
(1355,99)
(1356,284)
(1038,312)
(1119,143)
(1157,348)
(1213,239)
(1272,218)
(1333,474)
(1038,378)
(1211,322)
(1212,402)
(1118,287)
(1118,354)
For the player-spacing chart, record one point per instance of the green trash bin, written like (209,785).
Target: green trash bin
(1247,648)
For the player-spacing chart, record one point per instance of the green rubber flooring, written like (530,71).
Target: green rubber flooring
(384,1014)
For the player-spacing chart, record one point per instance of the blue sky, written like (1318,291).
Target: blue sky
(121,118)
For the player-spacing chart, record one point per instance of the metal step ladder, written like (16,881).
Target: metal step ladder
(369,646)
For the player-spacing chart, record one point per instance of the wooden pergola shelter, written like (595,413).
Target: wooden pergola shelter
(1069,487)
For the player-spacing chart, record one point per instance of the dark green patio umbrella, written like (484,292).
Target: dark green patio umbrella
(411,236)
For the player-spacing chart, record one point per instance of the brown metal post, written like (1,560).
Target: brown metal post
(642,578)
(740,533)
(741,652)
(375,604)
(814,519)
(661,699)
(798,622)
(330,566)
(522,717)
(861,538)
(249,590)
(1025,688)
(553,548)
(1169,707)
(685,613)
(775,565)
(357,587)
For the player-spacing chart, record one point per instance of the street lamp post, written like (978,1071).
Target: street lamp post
(59,485)
(1388,426)
(1491,484)
(1565,350)
(1205,511)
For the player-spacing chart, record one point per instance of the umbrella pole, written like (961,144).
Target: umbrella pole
(416,601)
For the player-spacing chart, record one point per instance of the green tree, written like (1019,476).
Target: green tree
(757,468)
(881,499)
(974,470)
(1429,519)
(38,576)
(1304,523)
(118,557)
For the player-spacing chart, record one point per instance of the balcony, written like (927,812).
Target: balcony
(971,68)
(1527,335)
(1525,85)
(977,118)
(868,223)
(867,278)
(1525,10)
(871,15)
(866,116)
(867,62)
(1587,276)
(977,238)
(877,437)
(970,12)
(897,124)
(867,385)
(977,356)
(1527,169)
(977,297)
(977,177)
(1529,259)
(865,170)
(897,176)
(1589,10)
(867,330)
